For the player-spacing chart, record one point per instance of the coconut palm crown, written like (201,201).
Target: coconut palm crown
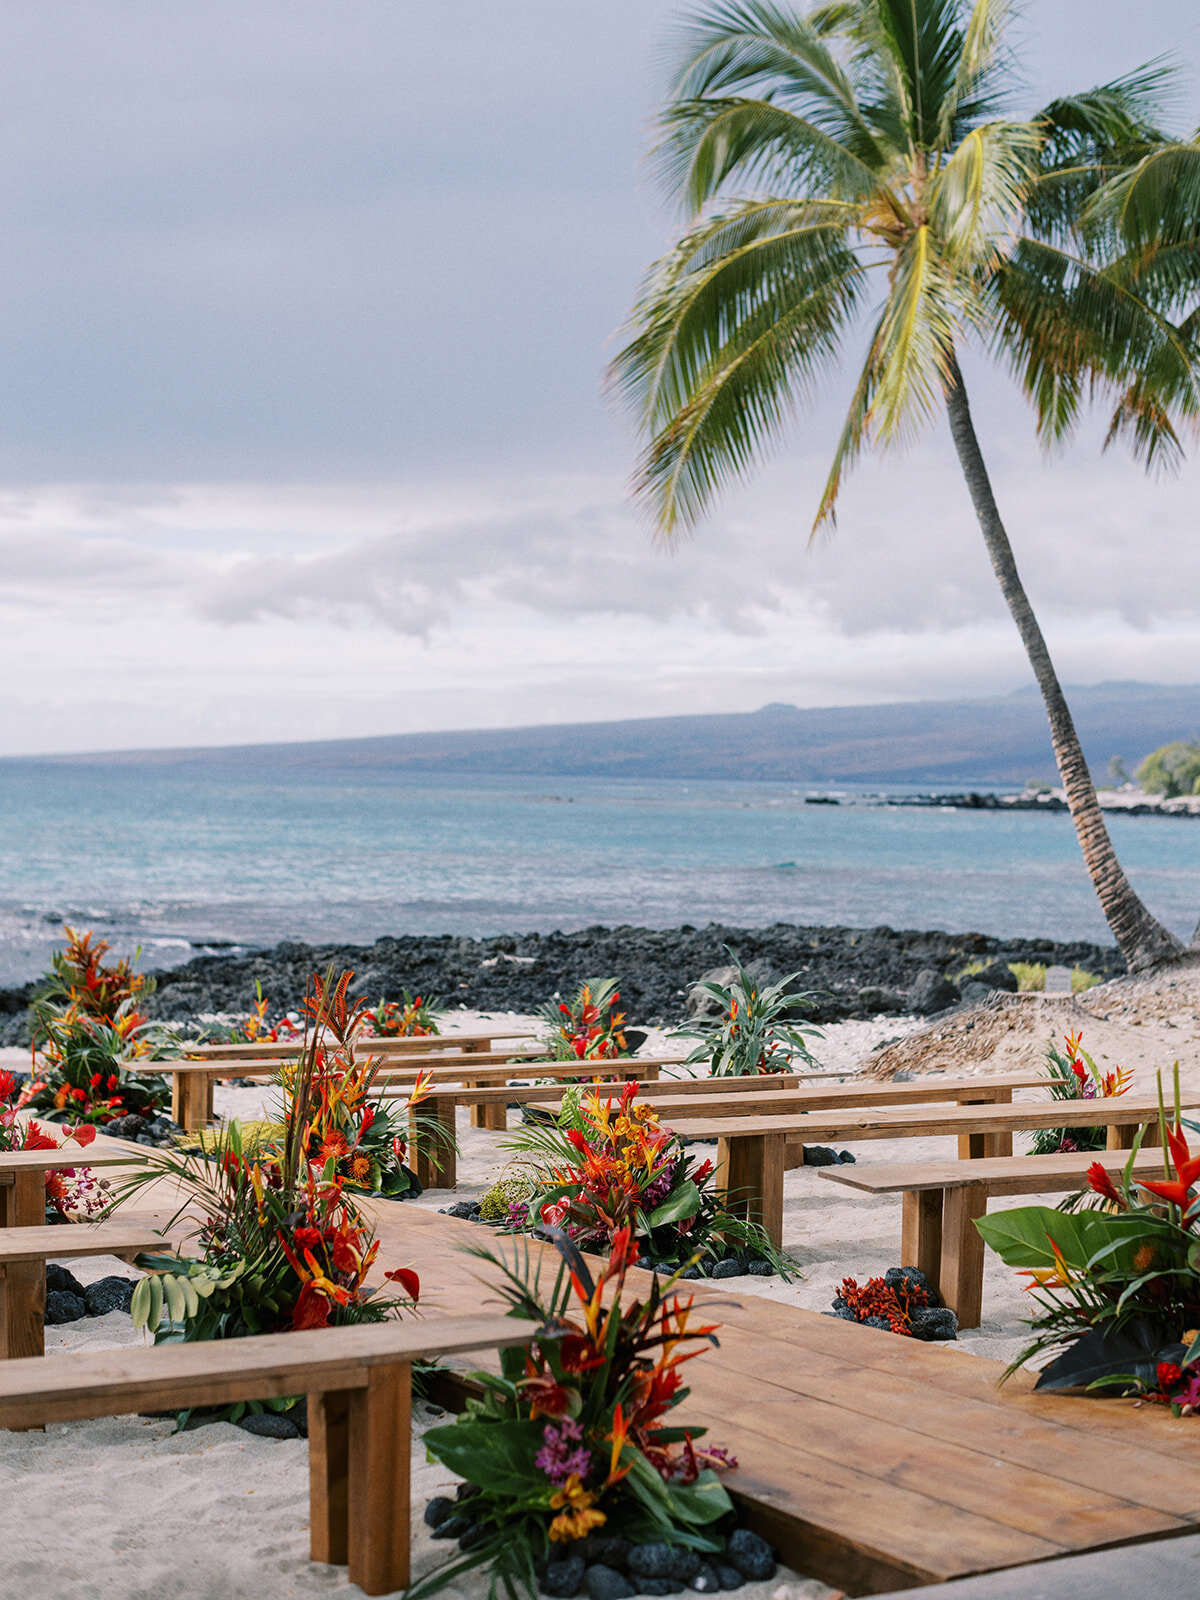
(848,172)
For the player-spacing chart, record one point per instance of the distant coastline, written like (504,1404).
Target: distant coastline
(1128,803)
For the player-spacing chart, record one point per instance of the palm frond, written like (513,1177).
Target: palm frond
(744,47)
(976,199)
(853,435)
(925,310)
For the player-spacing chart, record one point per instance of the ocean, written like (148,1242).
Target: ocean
(181,860)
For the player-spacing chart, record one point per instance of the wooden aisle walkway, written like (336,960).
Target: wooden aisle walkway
(874,1462)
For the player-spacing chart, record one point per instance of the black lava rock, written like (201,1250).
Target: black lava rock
(453,1527)
(108,1294)
(761,1269)
(475,1535)
(467,1491)
(63,1307)
(692,1272)
(727,1269)
(660,1585)
(461,1208)
(820,1155)
(607,1549)
(997,976)
(877,1322)
(58,1278)
(652,1560)
(934,1323)
(685,1563)
(563,1579)
(437,1510)
(606,1583)
(931,992)
(846,1159)
(705,1579)
(750,1554)
(974,993)
(646,1264)
(896,1277)
(730,1577)
(126,1127)
(270,1425)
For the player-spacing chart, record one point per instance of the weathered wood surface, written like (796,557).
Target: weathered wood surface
(874,1461)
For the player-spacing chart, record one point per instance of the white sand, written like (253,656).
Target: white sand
(122,1509)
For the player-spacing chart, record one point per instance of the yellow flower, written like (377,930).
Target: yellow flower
(576,1518)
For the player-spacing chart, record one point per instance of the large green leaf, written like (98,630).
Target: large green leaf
(706,1500)
(681,1203)
(499,1456)
(1022,1237)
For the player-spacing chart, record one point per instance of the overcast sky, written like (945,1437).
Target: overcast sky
(303,321)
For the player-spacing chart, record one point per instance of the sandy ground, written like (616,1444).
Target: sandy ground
(122,1509)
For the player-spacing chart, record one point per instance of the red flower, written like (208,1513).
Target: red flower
(7,1084)
(1168,1374)
(1101,1182)
(1187,1171)
(408,1281)
(83,1134)
(312,1309)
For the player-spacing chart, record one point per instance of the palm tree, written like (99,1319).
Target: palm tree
(860,143)
(1146,221)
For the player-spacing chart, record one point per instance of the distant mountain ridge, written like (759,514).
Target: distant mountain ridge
(1001,740)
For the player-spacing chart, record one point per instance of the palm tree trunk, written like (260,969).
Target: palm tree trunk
(1141,938)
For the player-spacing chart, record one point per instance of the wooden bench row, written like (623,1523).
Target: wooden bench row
(941,1202)
(754,1152)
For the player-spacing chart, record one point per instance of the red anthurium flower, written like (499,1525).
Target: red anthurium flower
(408,1281)
(84,1134)
(312,1309)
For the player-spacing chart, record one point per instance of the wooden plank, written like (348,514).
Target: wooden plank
(108,1383)
(23,1283)
(94,1155)
(1007,1175)
(961,1278)
(69,1241)
(890,1122)
(380,1451)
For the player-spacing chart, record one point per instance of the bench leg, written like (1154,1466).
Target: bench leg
(23,1284)
(329,1476)
(650,1071)
(380,1445)
(435,1159)
(191,1100)
(962,1253)
(750,1179)
(1122,1137)
(921,1233)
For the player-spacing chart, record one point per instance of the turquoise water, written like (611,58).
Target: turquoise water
(174,859)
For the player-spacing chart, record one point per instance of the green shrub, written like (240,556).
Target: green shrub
(1172,769)
(1030,975)
(494,1205)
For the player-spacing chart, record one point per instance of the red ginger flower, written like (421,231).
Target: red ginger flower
(1100,1181)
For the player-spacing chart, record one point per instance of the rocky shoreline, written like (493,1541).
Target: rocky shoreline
(854,972)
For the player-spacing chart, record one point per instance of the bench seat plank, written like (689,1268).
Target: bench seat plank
(70,1241)
(168,1376)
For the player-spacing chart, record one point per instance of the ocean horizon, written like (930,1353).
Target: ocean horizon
(178,862)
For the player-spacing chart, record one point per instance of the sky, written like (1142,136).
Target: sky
(304,319)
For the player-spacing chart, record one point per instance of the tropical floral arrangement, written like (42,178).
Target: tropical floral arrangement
(86,1030)
(1116,1278)
(607,1164)
(754,1030)
(1073,1075)
(570,1439)
(73,1194)
(281,1243)
(352,1133)
(415,1017)
(587,1027)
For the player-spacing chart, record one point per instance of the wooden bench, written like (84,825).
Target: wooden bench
(754,1152)
(424,1043)
(23,1176)
(24,1253)
(358,1382)
(941,1201)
